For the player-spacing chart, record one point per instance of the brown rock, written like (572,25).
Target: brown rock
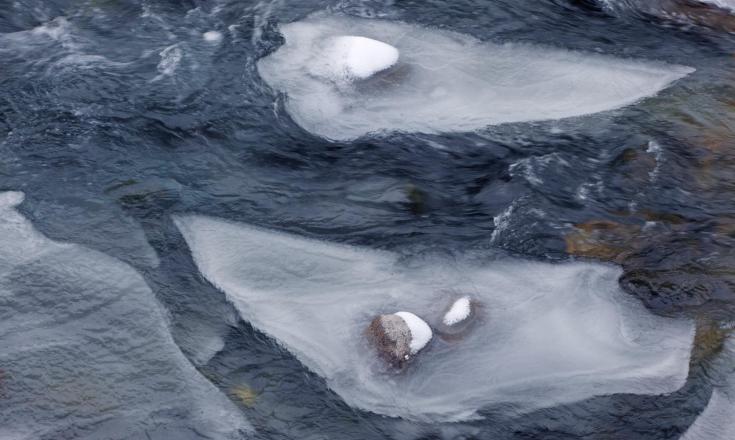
(392,338)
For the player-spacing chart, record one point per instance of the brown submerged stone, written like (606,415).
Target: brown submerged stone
(709,340)
(669,262)
(602,240)
(245,394)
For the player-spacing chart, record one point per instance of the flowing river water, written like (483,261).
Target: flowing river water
(194,225)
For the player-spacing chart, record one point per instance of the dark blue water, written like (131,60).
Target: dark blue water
(108,142)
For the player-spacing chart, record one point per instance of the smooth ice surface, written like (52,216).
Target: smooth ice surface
(445,81)
(459,311)
(348,58)
(86,352)
(548,334)
(420,331)
(717,421)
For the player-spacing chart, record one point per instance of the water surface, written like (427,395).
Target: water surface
(116,116)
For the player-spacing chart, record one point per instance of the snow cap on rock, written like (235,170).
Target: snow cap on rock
(420,331)
(459,311)
(354,58)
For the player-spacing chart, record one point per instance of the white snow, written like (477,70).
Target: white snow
(554,333)
(350,57)
(444,82)
(421,333)
(459,311)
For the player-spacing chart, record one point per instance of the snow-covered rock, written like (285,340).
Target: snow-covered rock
(458,312)
(348,58)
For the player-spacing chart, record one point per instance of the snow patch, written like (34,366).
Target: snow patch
(459,311)
(348,58)
(421,333)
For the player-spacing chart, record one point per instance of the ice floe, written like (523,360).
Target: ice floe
(717,421)
(86,351)
(546,335)
(443,81)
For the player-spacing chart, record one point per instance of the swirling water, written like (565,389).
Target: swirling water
(117,116)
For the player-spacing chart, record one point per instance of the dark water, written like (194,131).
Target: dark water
(107,142)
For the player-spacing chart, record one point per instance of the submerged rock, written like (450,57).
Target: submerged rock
(699,270)
(604,240)
(715,14)
(709,340)
(245,394)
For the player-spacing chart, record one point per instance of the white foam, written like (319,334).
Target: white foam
(57,29)
(459,311)
(552,334)
(445,81)
(421,333)
(212,37)
(86,347)
(170,59)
